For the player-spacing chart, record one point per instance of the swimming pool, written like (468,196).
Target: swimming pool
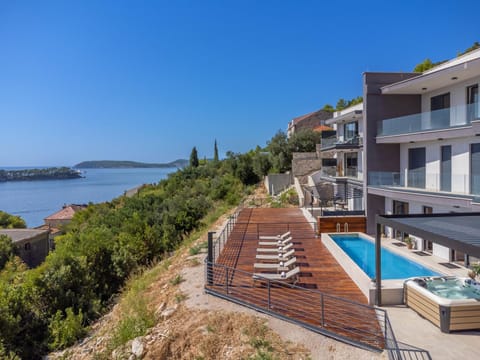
(362,252)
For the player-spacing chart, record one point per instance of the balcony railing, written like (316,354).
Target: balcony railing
(334,142)
(452,117)
(461,184)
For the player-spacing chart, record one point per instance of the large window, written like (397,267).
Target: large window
(350,130)
(473,108)
(475,169)
(351,164)
(416,168)
(440,107)
(446,168)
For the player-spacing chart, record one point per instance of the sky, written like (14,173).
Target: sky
(148,80)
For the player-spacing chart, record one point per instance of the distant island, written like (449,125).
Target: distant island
(112,164)
(53,173)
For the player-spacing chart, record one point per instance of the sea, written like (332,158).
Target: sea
(35,200)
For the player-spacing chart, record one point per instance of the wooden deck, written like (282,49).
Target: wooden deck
(319,272)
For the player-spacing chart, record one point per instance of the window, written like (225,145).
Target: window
(416,168)
(473,109)
(446,168)
(350,131)
(427,210)
(27,246)
(351,164)
(475,169)
(440,107)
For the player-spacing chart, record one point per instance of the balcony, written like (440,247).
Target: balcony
(445,119)
(333,143)
(461,184)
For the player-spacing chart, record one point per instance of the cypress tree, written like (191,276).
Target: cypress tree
(215,152)
(194,157)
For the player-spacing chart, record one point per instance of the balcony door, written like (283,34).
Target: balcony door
(473,108)
(440,107)
(351,164)
(416,168)
(475,169)
(446,168)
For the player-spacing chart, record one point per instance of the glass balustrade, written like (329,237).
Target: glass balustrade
(452,117)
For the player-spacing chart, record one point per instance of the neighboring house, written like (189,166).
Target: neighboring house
(64,216)
(313,120)
(342,156)
(32,244)
(422,144)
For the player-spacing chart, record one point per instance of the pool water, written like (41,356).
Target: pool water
(362,252)
(453,288)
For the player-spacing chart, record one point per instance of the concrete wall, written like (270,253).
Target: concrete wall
(378,107)
(34,250)
(276,183)
(306,162)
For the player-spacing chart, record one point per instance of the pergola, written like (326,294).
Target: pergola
(459,231)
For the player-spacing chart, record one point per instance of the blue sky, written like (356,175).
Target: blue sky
(148,80)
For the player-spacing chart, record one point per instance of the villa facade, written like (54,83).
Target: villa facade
(422,144)
(342,156)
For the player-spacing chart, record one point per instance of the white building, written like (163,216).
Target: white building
(423,144)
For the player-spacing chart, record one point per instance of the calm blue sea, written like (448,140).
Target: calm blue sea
(35,200)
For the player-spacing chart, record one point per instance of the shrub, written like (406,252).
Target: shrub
(65,330)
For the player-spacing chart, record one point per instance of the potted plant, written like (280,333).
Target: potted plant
(409,241)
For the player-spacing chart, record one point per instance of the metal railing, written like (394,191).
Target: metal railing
(358,324)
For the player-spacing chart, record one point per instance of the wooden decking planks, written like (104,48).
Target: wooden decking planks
(319,271)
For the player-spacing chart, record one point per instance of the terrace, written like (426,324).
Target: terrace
(324,300)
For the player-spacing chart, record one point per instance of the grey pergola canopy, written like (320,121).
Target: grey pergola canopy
(459,231)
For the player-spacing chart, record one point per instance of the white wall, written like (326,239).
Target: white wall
(460,162)
(458,96)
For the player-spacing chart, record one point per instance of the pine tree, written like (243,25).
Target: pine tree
(215,152)
(194,157)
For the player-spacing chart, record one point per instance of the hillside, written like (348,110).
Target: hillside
(112,164)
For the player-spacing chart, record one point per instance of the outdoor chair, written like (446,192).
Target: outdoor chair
(280,249)
(278,257)
(280,266)
(290,276)
(276,243)
(276,237)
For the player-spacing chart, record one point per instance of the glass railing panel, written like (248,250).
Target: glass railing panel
(431,120)
(416,178)
(383,178)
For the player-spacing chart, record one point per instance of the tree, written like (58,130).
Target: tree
(194,157)
(341,104)
(305,140)
(8,221)
(475,46)
(7,250)
(280,155)
(329,108)
(215,152)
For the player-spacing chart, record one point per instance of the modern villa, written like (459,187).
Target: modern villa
(422,145)
(342,155)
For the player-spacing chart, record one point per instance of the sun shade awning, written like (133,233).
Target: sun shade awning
(454,230)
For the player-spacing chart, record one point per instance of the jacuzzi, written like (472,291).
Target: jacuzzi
(451,303)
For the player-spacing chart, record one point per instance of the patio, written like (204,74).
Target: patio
(324,299)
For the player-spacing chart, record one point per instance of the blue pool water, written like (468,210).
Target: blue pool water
(362,251)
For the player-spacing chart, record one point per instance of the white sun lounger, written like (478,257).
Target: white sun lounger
(290,276)
(275,243)
(280,266)
(280,257)
(275,237)
(280,249)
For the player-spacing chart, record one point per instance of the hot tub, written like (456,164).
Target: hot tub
(451,303)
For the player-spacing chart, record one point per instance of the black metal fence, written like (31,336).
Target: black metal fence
(358,324)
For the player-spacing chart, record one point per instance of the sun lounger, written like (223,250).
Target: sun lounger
(275,243)
(279,266)
(280,257)
(275,237)
(280,249)
(290,276)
